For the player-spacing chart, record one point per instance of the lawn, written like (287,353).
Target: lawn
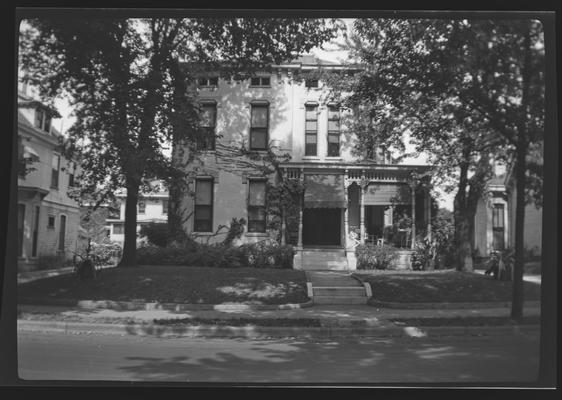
(447,286)
(170,284)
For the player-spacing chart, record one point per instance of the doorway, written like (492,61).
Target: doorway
(321,227)
(374,221)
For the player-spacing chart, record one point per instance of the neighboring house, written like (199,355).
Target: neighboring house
(494,222)
(47,218)
(151,207)
(344,194)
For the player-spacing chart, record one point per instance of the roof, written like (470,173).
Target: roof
(310,59)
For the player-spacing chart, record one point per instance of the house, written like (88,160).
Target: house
(494,222)
(48,218)
(345,196)
(151,207)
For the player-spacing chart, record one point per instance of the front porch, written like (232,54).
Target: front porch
(344,206)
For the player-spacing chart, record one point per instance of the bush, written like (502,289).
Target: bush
(424,254)
(157,233)
(105,253)
(258,255)
(374,256)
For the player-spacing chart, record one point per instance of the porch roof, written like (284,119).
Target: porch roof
(324,191)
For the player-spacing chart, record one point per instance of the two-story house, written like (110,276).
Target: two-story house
(151,207)
(48,218)
(344,194)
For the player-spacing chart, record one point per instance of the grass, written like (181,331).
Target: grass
(171,284)
(447,286)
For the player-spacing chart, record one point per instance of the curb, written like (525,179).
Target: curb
(259,332)
(141,305)
(447,306)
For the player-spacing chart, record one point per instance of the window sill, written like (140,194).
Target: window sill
(334,158)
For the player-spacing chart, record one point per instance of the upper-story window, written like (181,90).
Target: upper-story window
(142,207)
(311,83)
(333,131)
(42,120)
(203,216)
(71,172)
(260,81)
(208,122)
(55,167)
(259,126)
(208,81)
(311,130)
(256,206)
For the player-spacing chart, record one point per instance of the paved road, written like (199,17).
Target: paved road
(59,356)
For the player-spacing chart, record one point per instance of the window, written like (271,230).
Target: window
(256,206)
(62,233)
(259,126)
(203,221)
(35,232)
(333,131)
(311,83)
(42,120)
(208,121)
(142,207)
(209,82)
(118,229)
(498,227)
(55,166)
(311,130)
(51,222)
(71,171)
(260,81)
(165,206)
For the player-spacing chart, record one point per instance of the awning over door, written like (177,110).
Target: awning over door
(387,193)
(324,191)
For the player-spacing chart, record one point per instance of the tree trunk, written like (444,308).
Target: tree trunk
(129,258)
(462,217)
(517,301)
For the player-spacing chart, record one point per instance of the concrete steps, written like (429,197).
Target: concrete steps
(332,287)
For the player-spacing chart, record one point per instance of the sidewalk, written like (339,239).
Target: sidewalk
(316,321)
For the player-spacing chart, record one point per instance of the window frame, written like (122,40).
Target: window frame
(308,86)
(310,133)
(332,133)
(251,207)
(261,84)
(207,83)
(55,173)
(264,130)
(208,141)
(51,218)
(119,225)
(165,205)
(196,207)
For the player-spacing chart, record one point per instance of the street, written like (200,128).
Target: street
(60,356)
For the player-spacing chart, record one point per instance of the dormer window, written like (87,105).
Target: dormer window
(208,81)
(42,120)
(260,81)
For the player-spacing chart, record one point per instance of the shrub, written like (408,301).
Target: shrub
(374,256)
(105,253)
(157,233)
(258,255)
(424,254)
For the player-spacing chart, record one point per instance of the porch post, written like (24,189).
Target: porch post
(345,211)
(362,207)
(299,244)
(428,213)
(413,215)
(283,239)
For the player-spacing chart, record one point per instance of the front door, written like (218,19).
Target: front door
(62,233)
(321,227)
(374,221)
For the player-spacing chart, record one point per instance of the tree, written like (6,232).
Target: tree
(468,92)
(129,83)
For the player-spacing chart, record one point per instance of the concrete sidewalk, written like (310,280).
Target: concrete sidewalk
(318,321)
